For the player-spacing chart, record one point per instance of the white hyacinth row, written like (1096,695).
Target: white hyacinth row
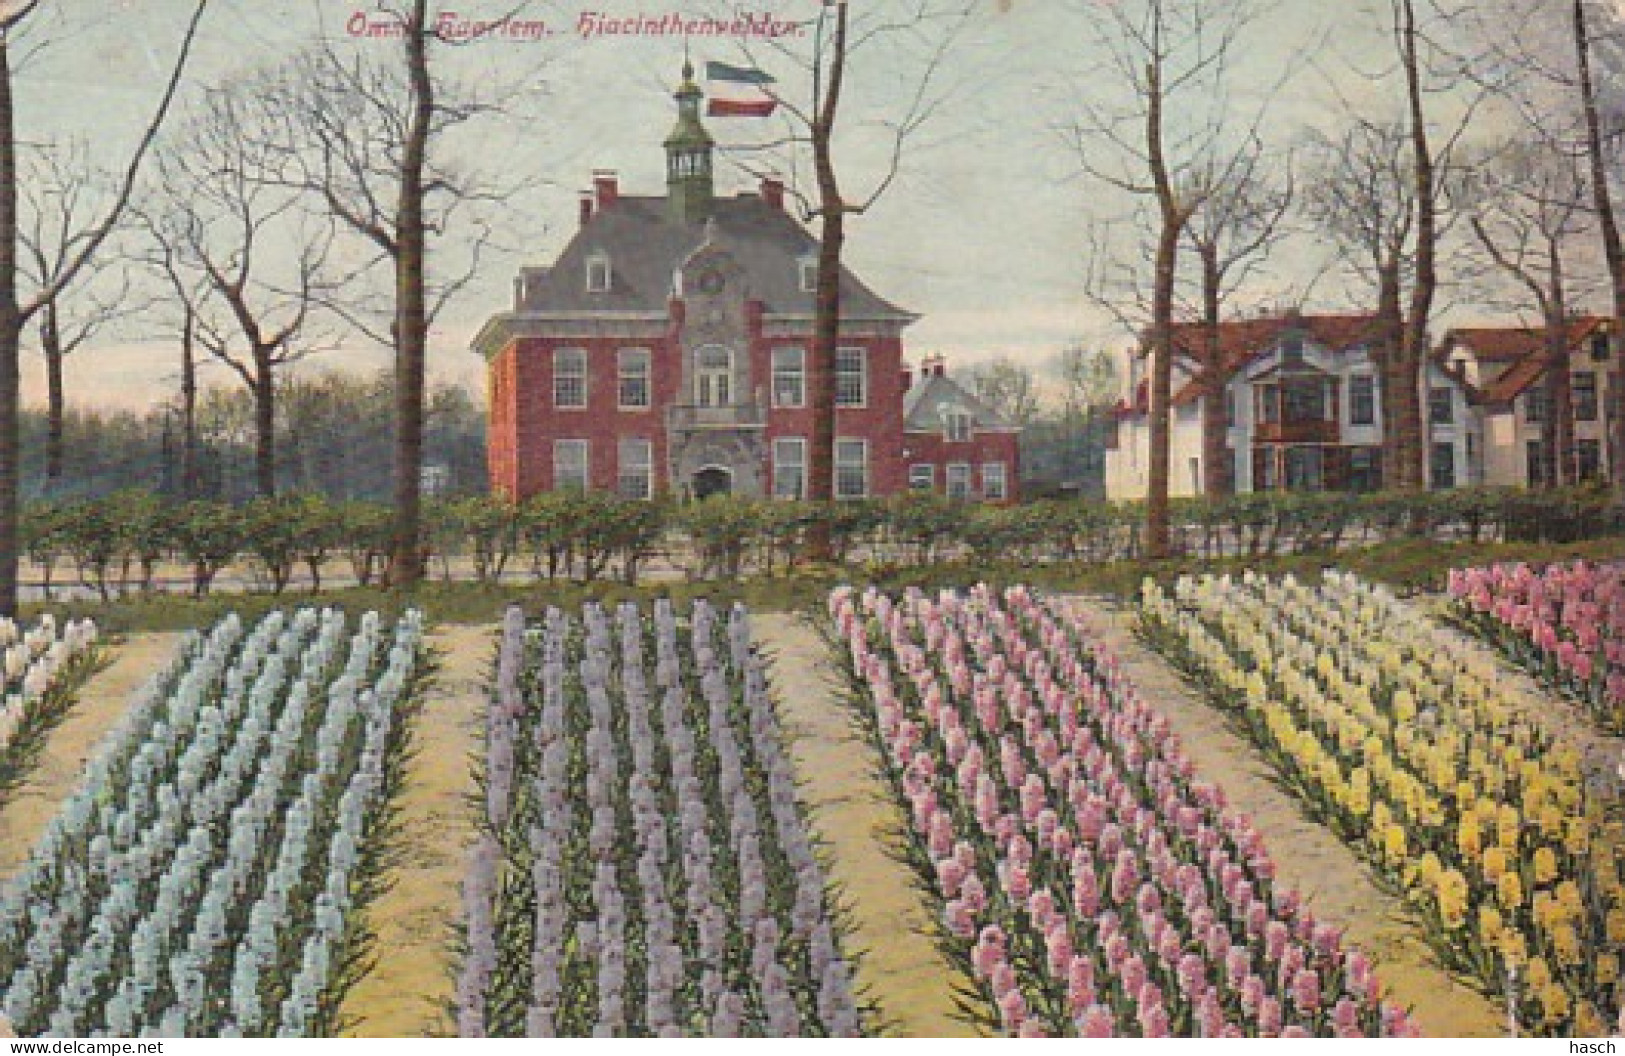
(32,661)
(654,818)
(227,811)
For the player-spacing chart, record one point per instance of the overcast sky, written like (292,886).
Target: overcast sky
(983,234)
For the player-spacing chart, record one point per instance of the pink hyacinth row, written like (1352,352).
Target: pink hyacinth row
(1566,622)
(1092,885)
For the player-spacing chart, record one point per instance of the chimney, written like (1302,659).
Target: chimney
(607,186)
(772,190)
(586,207)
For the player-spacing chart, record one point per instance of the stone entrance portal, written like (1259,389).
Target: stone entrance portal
(713,480)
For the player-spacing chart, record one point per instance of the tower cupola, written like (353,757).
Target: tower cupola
(688,155)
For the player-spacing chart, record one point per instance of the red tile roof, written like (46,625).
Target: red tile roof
(1243,340)
(1524,347)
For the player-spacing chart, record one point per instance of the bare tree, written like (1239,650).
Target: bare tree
(1237,223)
(59,195)
(16,311)
(914,38)
(363,139)
(1531,212)
(1156,121)
(259,261)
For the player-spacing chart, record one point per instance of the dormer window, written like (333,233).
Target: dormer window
(599,274)
(809,274)
(956,425)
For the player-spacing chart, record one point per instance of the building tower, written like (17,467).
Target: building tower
(688,155)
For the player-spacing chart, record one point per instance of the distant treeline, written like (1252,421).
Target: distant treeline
(333,438)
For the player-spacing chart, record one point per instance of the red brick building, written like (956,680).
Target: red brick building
(667,349)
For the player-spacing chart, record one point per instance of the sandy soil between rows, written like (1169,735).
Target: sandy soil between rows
(102,701)
(1308,856)
(900,967)
(412,982)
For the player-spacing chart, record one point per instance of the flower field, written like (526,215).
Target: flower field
(1565,624)
(1392,733)
(645,867)
(40,667)
(1085,880)
(206,877)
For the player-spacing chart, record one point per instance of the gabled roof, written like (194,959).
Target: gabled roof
(1502,344)
(925,401)
(1523,347)
(645,245)
(1241,341)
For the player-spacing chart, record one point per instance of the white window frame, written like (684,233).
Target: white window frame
(562,375)
(808,267)
(713,385)
(782,466)
(626,371)
(862,376)
(561,460)
(922,476)
(843,466)
(799,373)
(998,471)
(635,461)
(956,425)
(600,274)
(956,480)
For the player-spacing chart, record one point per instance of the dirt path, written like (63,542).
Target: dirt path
(1339,886)
(101,701)
(901,968)
(406,992)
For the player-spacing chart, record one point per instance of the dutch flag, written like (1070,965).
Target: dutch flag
(738,91)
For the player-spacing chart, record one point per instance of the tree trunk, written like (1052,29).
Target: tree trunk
(1157,536)
(264,392)
(1390,335)
(189,438)
(10,345)
(411,319)
(1214,378)
(821,388)
(1411,432)
(50,333)
(1557,431)
(1612,244)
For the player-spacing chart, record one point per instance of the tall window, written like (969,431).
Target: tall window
(790,467)
(1442,465)
(1365,469)
(808,267)
(851,377)
(922,476)
(570,465)
(851,469)
(995,484)
(1441,408)
(1535,463)
(569,377)
(635,477)
(956,425)
(958,480)
(1588,460)
(1585,396)
(1362,400)
(714,373)
(1534,403)
(1304,400)
(789,377)
(632,366)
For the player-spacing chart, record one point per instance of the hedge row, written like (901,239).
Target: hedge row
(117,543)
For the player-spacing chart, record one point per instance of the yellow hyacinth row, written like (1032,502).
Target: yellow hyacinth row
(1396,736)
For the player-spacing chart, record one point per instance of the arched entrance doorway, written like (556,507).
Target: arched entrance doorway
(713,480)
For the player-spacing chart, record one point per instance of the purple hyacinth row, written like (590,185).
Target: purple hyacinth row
(649,812)
(1089,884)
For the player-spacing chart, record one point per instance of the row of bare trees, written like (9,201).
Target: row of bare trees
(1507,134)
